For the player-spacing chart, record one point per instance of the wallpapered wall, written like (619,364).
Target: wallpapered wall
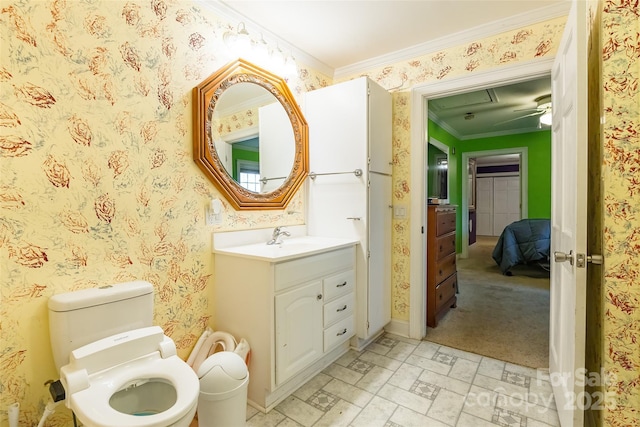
(98,184)
(619,30)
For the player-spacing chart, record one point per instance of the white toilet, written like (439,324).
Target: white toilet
(118,370)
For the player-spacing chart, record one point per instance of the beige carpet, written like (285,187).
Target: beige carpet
(504,317)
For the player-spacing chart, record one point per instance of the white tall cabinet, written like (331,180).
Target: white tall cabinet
(349,130)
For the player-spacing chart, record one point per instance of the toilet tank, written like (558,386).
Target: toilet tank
(82,317)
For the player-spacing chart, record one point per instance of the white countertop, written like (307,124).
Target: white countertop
(290,248)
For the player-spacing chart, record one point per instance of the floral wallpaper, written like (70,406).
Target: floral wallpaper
(98,182)
(235,122)
(619,30)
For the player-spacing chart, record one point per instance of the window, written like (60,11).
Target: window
(249,175)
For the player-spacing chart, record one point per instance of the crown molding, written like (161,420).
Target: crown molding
(232,16)
(444,125)
(476,33)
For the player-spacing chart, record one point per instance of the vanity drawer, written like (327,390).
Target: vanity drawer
(302,270)
(446,267)
(339,333)
(445,245)
(339,309)
(446,222)
(445,290)
(338,284)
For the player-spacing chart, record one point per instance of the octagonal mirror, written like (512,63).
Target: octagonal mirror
(250,137)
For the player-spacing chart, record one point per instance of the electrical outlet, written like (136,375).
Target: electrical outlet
(213,212)
(211,218)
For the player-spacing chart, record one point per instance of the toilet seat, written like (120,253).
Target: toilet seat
(93,408)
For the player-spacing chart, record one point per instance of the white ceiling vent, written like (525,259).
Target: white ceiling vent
(470,99)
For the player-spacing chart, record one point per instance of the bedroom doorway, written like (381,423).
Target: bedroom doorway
(514,74)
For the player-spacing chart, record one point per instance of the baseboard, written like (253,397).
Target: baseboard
(398,327)
(360,344)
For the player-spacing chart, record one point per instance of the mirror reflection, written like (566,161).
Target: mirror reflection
(248,128)
(438,164)
(252,135)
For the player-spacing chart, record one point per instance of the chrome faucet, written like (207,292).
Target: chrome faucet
(278,232)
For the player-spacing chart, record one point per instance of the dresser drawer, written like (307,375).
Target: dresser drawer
(445,245)
(338,284)
(445,267)
(339,333)
(446,222)
(445,290)
(339,309)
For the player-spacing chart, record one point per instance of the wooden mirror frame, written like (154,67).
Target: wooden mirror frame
(205,97)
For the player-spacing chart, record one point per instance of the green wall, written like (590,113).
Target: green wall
(239,154)
(539,166)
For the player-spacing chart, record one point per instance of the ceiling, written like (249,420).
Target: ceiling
(500,110)
(342,34)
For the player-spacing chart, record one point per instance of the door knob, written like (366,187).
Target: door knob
(562,257)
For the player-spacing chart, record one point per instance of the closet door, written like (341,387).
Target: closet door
(378,291)
(484,206)
(506,202)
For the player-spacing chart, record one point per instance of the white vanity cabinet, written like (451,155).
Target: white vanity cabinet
(296,314)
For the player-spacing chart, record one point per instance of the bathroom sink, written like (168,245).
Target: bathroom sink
(289,248)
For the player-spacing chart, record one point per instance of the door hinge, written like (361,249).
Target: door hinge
(368,254)
(582,259)
(367,325)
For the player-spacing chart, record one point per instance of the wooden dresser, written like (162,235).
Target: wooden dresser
(441,262)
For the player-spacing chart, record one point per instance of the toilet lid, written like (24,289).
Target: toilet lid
(92,405)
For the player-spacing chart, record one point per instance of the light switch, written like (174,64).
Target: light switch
(399,211)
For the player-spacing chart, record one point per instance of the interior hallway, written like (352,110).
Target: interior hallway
(504,317)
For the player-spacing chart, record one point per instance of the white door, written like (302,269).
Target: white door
(299,329)
(484,206)
(379,111)
(276,146)
(568,217)
(506,202)
(379,265)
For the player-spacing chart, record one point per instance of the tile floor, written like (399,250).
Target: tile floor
(397,382)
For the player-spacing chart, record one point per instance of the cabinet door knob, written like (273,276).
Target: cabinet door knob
(319,297)
(342,332)
(341,284)
(342,308)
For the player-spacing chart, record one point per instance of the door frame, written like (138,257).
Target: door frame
(420,94)
(524,188)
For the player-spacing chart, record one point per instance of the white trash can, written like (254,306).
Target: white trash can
(224,379)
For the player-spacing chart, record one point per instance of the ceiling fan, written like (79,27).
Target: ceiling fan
(543,109)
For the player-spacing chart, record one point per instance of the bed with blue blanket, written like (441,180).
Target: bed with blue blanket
(523,242)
